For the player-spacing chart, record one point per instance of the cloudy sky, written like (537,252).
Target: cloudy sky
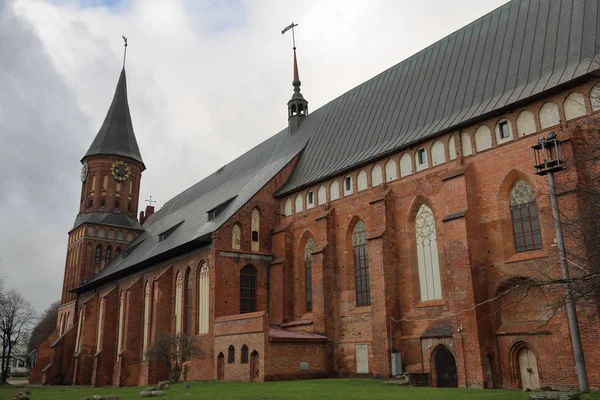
(207,81)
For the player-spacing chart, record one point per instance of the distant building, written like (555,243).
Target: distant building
(395,221)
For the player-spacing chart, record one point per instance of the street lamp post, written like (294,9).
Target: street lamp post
(548,160)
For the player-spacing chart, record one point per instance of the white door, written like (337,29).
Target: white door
(362,358)
(528,368)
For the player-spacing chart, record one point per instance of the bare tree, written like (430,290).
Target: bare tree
(45,326)
(173,350)
(16,317)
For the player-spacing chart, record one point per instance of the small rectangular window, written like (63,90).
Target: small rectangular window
(504,131)
(310,198)
(211,215)
(254,236)
(421,157)
(348,183)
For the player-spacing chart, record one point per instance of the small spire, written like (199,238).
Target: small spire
(124,51)
(296,77)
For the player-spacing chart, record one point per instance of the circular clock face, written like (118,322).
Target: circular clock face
(120,170)
(84,172)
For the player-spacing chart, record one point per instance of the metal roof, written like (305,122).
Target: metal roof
(517,51)
(116,136)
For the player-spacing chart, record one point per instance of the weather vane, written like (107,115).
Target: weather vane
(125,51)
(287,28)
(150,201)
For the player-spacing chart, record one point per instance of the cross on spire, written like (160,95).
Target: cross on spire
(150,201)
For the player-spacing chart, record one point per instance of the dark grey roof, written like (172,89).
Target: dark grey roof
(116,136)
(227,190)
(116,220)
(515,52)
(520,50)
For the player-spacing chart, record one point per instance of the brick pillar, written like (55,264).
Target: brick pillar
(162,304)
(382,262)
(82,371)
(132,335)
(459,228)
(281,295)
(104,360)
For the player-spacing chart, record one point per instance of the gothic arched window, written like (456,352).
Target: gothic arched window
(108,255)
(98,253)
(203,299)
(121,329)
(188,301)
(231,355)
(146,336)
(524,213)
(247,289)
(178,301)
(255,226)
(427,255)
(310,245)
(244,354)
(362,280)
(236,237)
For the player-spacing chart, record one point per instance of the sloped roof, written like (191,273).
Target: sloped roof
(116,136)
(228,189)
(517,51)
(520,50)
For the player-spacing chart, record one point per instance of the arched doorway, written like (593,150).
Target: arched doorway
(528,369)
(445,368)
(220,367)
(489,374)
(254,363)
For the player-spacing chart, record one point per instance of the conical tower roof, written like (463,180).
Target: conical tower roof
(116,136)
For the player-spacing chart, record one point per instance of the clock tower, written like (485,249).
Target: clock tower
(110,185)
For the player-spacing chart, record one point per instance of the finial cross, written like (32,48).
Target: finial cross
(150,201)
(287,28)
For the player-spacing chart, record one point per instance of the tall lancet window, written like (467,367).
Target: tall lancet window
(362,281)
(255,225)
(203,299)
(526,224)
(178,301)
(248,289)
(121,323)
(146,319)
(427,254)
(310,245)
(236,237)
(100,325)
(189,284)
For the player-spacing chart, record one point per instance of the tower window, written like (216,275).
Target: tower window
(129,206)
(90,203)
(102,202)
(117,204)
(254,236)
(421,157)
(504,130)
(310,201)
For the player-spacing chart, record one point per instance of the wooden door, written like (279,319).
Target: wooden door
(362,358)
(528,369)
(254,366)
(220,367)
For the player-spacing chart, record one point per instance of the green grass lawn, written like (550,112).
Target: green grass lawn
(293,390)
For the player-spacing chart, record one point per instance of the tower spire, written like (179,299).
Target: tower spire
(297,106)
(124,51)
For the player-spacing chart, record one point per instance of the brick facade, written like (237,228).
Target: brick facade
(481,326)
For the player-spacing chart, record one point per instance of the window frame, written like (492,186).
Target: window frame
(248,300)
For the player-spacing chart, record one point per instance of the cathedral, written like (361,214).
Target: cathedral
(388,232)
